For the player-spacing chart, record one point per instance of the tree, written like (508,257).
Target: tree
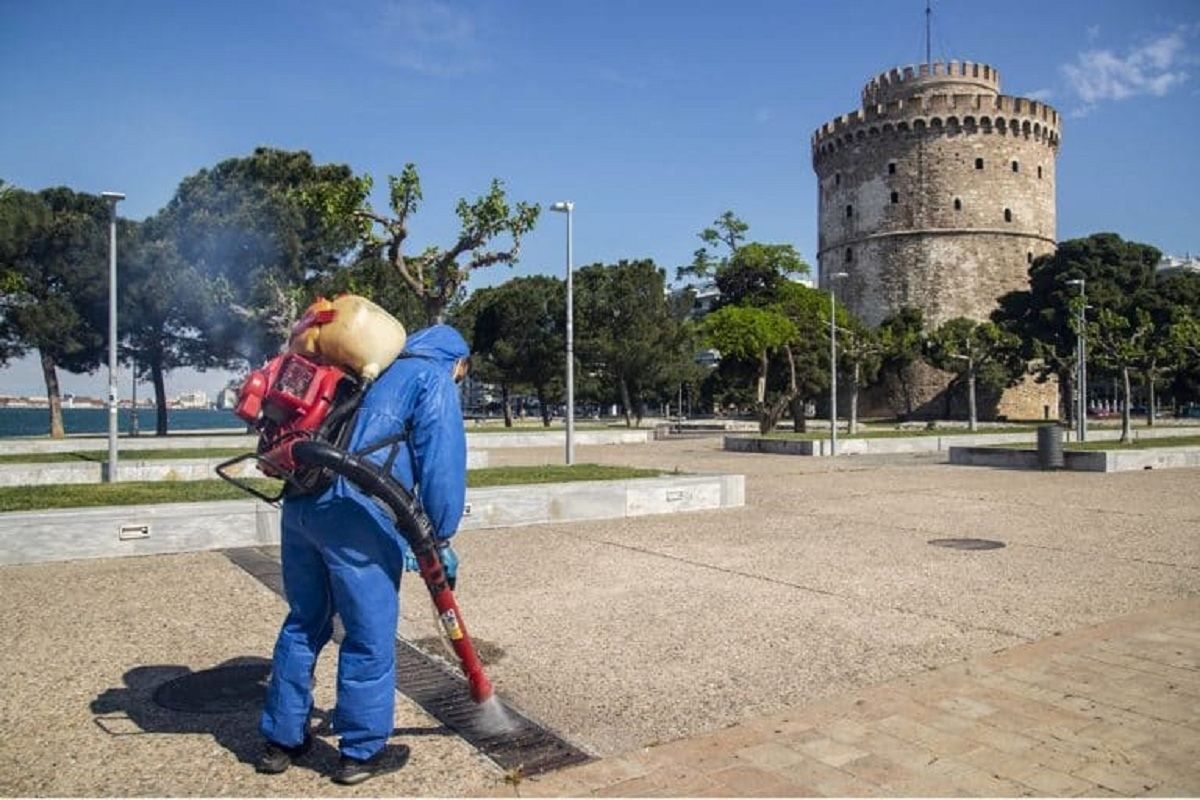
(755,273)
(244,226)
(807,353)
(437,275)
(627,333)
(755,335)
(1170,300)
(53,264)
(374,279)
(971,349)
(165,304)
(1119,342)
(517,332)
(727,230)
(860,352)
(901,342)
(1114,272)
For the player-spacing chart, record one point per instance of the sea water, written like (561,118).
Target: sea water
(36,421)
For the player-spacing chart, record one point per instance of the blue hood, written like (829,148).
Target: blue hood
(439,343)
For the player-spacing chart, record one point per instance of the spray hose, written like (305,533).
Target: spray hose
(416,528)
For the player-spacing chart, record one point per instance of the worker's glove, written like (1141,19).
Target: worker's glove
(445,553)
(449,563)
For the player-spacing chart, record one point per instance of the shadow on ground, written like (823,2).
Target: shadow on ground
(224,702)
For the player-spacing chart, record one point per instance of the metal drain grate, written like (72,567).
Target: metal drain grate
(438,688)
(221,690)
(968,544)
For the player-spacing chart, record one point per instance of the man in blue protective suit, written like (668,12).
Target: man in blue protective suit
(341,553)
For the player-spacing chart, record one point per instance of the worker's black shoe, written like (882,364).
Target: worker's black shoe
(276,758)
(351,771)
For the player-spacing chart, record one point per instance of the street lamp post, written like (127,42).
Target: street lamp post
(833,279)
(1081,356)
(133,419)
(568,208)
(113,198)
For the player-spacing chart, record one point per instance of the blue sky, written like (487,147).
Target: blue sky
(652,116)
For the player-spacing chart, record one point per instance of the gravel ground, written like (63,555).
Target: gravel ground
(617,634)
(89,641)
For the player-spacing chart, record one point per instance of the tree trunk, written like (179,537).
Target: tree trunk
(1125,426)
(803,414)
(797,411)
(972,418)
(508,421)
(1152,399)
(160,399)
(50,374)
(625,403)
(541,396)
(855,379)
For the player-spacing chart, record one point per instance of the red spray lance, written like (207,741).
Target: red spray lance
(297,405)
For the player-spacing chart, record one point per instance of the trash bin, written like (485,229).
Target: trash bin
(1049,447)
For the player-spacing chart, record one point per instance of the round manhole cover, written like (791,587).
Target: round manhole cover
(221,690)
(968,544)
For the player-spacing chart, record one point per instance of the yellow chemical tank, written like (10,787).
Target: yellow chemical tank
(351,332)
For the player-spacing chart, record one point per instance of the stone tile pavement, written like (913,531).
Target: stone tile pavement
(1112,709)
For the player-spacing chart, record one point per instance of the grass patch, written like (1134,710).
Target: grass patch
(557,426)
(508,476)
(133,493)
(101,456)
(1139,444)
(901,434)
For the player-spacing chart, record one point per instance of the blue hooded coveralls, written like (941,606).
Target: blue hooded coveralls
(341,551)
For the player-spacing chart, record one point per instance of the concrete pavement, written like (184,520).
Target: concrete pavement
(694,635)
(1106,710)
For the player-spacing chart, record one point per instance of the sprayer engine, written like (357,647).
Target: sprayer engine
(288,400)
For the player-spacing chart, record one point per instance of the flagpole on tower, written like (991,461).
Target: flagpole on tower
(928,15)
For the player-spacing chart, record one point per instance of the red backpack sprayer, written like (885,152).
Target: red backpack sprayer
(300,407)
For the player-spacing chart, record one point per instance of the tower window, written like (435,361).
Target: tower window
(891,168)
(979,163)
(1039,173)
(1016,167)
(849,212)
(957,204)
(837,179)
(895,198)
(849,254)
(1029,258)
(1008,215)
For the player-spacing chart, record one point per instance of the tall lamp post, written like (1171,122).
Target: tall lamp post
(833,279)
(1081,357)
(113,198)
(567,207)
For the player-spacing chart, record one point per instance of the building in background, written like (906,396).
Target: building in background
(196,399)
(1171,265)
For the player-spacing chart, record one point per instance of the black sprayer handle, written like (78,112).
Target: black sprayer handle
(411,521)
(417,530)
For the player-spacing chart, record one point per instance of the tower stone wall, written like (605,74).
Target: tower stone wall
(938,193)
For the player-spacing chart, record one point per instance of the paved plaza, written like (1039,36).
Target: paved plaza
(810,643)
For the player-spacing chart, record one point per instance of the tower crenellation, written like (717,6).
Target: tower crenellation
(951,77)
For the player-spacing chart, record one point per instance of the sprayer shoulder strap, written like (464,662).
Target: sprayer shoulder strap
(396,440)
(393,443)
